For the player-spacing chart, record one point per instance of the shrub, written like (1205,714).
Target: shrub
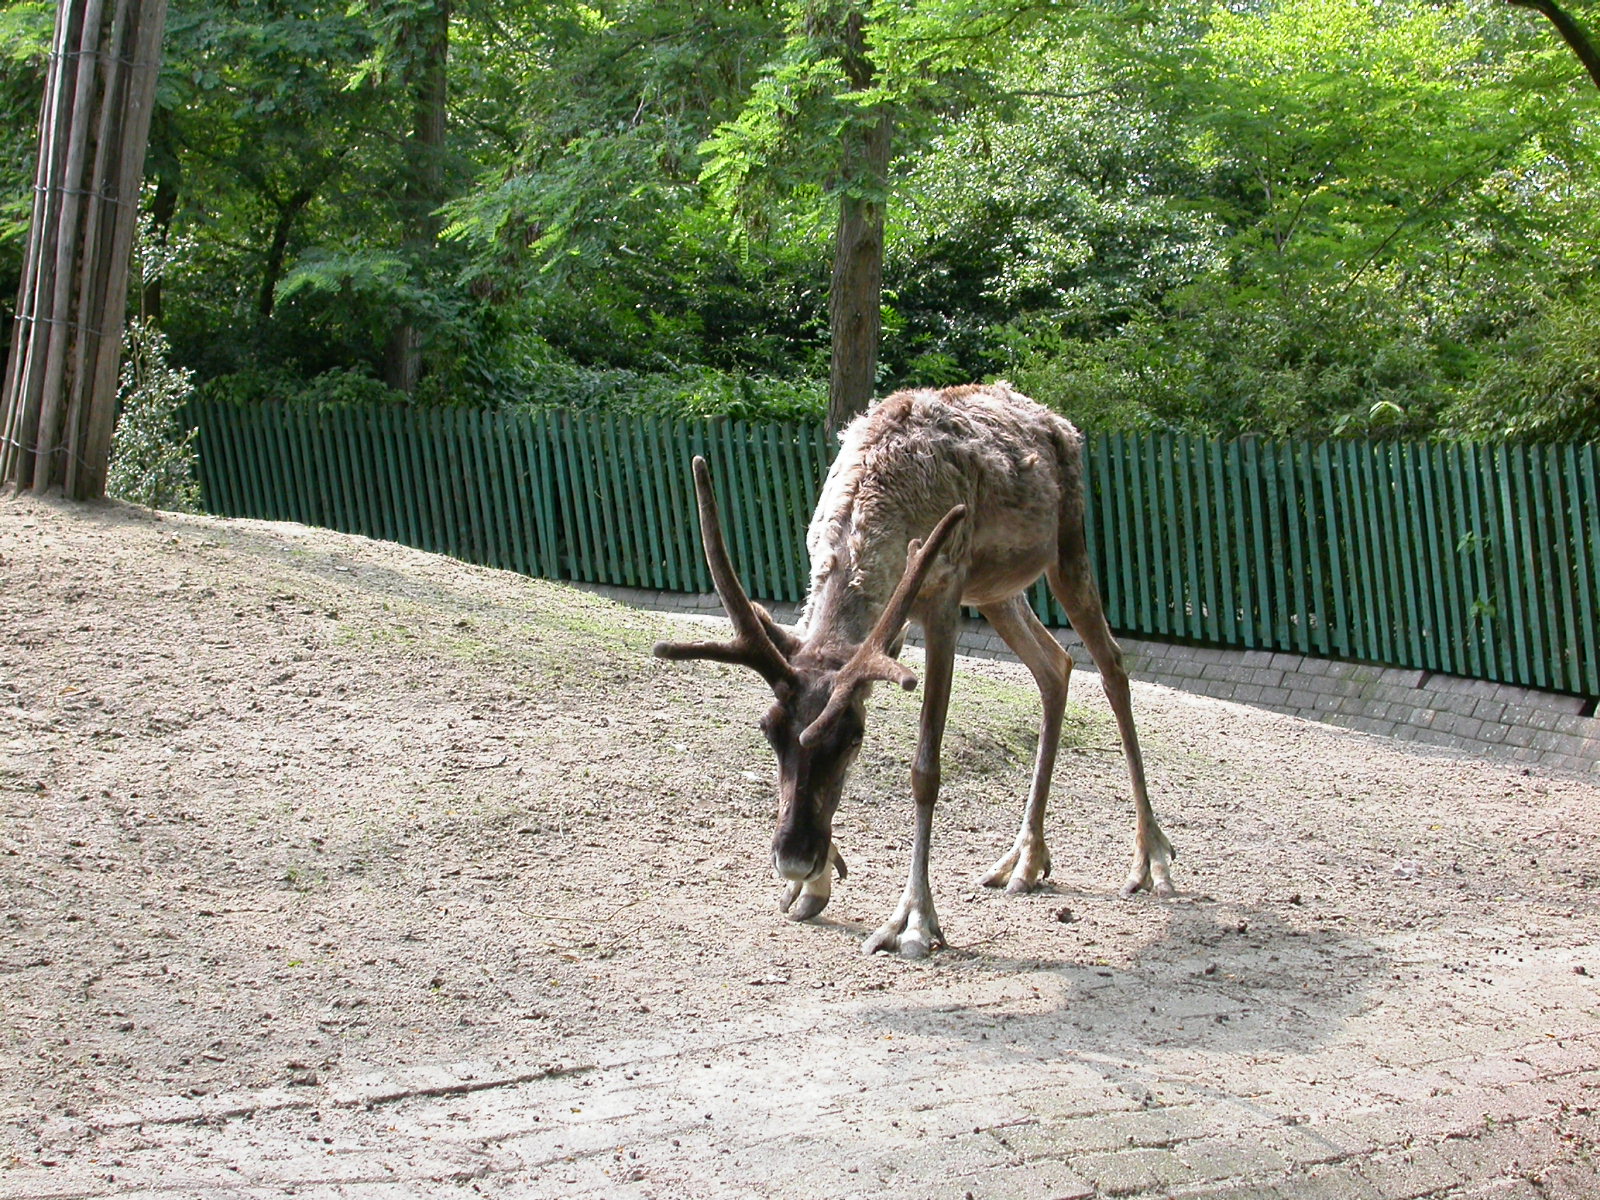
(152,455)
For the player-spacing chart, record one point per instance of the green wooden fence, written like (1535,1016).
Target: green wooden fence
(1473,560)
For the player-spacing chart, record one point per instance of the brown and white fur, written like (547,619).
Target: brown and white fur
(936,499)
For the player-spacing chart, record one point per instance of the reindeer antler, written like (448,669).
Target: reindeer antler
(871,660)
(758,642)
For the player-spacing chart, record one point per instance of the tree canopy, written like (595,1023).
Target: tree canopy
(1270,216)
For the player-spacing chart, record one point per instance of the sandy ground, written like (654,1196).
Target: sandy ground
(287,814)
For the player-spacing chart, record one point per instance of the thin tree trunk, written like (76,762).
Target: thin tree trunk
(52,381)
(278,250)
(23,381)
(134,105)
(163,206)
(92,276)
(855,294)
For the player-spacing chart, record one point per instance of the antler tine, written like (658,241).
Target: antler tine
(871,661)
(754,644)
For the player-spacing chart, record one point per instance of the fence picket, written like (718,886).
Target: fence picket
(734,478)
(619,495)
(1562,598)
(576,502)
(1447,594)
(1543,596)
(1315,638)
(1405,539)
(1583,518)
(1163,534)
(683,517)
(1460,539)
(516,486)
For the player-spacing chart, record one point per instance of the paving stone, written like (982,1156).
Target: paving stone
(1030,1181)
(1331,1183)
(1578,726)
(1405,1174)
(1141,1127)
(1487,708)
(1218,1158)
(1231,1189)
(1129,1172)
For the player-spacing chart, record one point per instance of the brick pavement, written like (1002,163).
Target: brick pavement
(1042,1082)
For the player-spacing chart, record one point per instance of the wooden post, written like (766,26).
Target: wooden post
(59,401)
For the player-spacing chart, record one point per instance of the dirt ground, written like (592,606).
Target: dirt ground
(283,810)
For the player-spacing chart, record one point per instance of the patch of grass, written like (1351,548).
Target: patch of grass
(305,879)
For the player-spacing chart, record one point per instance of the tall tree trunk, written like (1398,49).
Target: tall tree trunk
(426,49)
(855,294)
(59,400)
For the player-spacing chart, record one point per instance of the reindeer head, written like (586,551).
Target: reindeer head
(818,716)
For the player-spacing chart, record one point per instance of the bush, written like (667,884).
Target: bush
(152,455)
(1226,364)
(691,393)
(1545,385)
(685,393)
(342,387)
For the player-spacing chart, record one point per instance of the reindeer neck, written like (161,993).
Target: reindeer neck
(852,579)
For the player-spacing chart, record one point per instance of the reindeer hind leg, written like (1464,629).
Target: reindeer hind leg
(1073,584)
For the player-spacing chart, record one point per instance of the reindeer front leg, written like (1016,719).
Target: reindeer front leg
(1028,860)
(914,930)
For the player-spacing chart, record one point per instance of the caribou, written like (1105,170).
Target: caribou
(937,499)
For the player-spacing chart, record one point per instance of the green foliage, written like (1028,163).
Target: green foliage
(1281,216)
(342,387)
(1306,216)
(698,392)
(1546,384)
(152,455)
(595,227)
(687,393)
(24,41)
